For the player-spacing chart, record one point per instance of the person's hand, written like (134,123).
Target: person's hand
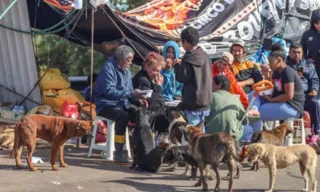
(265,68)
(158,80)
(177,61)
(177,98)
(267,98)
(169,63)
(253,112)
(311,60)
(144,103)
(313,93)
(137,94)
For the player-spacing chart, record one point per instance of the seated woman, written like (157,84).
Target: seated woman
(171,89)
(149,78)
(226,112)
(287,100)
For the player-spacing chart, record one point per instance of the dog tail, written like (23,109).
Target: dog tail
(16,139)
(232,146)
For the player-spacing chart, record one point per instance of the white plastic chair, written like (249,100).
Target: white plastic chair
(299,136)
(109,145)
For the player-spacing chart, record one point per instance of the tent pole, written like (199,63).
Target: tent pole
(91,68)
(7,9)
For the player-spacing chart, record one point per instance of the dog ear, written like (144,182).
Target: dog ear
(200,125)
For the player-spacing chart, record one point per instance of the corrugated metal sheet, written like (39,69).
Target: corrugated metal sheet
(18,71)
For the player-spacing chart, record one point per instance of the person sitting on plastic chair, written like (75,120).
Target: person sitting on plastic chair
(310,82)
(114,96)
(287,99)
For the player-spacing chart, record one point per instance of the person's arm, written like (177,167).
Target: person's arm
(184,72)
(110,90)
(236,89)
(247,82)
(304,44)
(313,78)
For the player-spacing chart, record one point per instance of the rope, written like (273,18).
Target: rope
(54,58)
(44,31)
(8,8)
(123,34)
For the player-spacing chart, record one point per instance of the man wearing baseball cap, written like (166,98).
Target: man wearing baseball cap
(246,72)
(221,67)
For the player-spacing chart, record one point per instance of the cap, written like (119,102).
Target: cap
(228,57)
(238,42)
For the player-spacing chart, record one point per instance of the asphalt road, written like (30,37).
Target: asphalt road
(96,175)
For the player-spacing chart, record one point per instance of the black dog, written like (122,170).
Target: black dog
(145,153)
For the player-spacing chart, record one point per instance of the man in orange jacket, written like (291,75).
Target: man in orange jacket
(220,67)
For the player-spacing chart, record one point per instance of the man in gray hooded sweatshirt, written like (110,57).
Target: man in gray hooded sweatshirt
(311,41)
(195,72)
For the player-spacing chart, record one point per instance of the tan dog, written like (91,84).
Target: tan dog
(278,157)
(276,136)
(56,130)
(84,111)
(6,136)
(212,149)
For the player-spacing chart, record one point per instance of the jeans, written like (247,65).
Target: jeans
(249,130)
(313,107)
(273,111)
(195,117)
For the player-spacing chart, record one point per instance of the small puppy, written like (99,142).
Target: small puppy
(278,157)
(276,137)
(176,153)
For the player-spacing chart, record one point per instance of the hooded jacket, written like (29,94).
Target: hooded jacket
(171,88)
(196,74)
(311,41)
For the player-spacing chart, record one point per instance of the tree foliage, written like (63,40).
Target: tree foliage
(74,59)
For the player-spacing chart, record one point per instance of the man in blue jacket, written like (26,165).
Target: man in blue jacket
(113,93)
(310,82)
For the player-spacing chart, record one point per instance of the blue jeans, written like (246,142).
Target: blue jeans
(249,130)
(273,111)
(195,117)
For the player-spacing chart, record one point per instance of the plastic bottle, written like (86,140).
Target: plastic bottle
(15,111)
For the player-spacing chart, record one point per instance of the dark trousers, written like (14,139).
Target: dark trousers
(161,120)
(121,116)
(313,107)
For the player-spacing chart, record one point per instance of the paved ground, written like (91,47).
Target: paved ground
(96,175)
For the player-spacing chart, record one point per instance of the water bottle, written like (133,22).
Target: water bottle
(15,111)
(21,112)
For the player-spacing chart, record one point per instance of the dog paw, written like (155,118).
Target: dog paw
(210,177)
(55,168)
(198,184)
(217,189)
(63,165)
(19,166)
(205,188)
(33,169)
(268,190)
(304,190)
(236,177)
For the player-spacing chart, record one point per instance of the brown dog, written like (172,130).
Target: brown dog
(6,136)
(278,157)
(276,136)
(56,130)
(212,149)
